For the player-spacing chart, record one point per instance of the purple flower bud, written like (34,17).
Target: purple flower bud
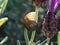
(52,5)
(39,2)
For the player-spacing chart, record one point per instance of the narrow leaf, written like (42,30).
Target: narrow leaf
(38,42)
(3,20)
(58,38)
(26,36)
(3,6)
(4,40)
(18,42)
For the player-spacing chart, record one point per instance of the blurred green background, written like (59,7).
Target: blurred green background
(14,27)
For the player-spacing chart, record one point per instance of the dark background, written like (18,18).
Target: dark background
(14,27)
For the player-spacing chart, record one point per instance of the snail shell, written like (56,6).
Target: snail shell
(30,21)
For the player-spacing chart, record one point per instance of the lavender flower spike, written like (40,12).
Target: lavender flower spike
(58,1)
(52,5)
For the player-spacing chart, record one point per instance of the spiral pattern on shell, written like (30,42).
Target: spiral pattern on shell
(30,21)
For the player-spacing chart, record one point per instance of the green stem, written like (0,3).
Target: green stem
(58,38)
(43,42)
(33,32)
(36,10)
(38,42)
(18,42)
(32,36)
(26,36)
(48,40)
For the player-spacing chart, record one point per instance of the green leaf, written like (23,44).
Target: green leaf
(58,38)
(43,42)
(18,42)
(1,2)
(26,36)
(3,20)
(3,6)
(4,40)
(38,42)
(33,36)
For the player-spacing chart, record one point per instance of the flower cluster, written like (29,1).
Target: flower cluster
(39,2)
(49,25)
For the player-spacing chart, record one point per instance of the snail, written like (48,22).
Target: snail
(30,21)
